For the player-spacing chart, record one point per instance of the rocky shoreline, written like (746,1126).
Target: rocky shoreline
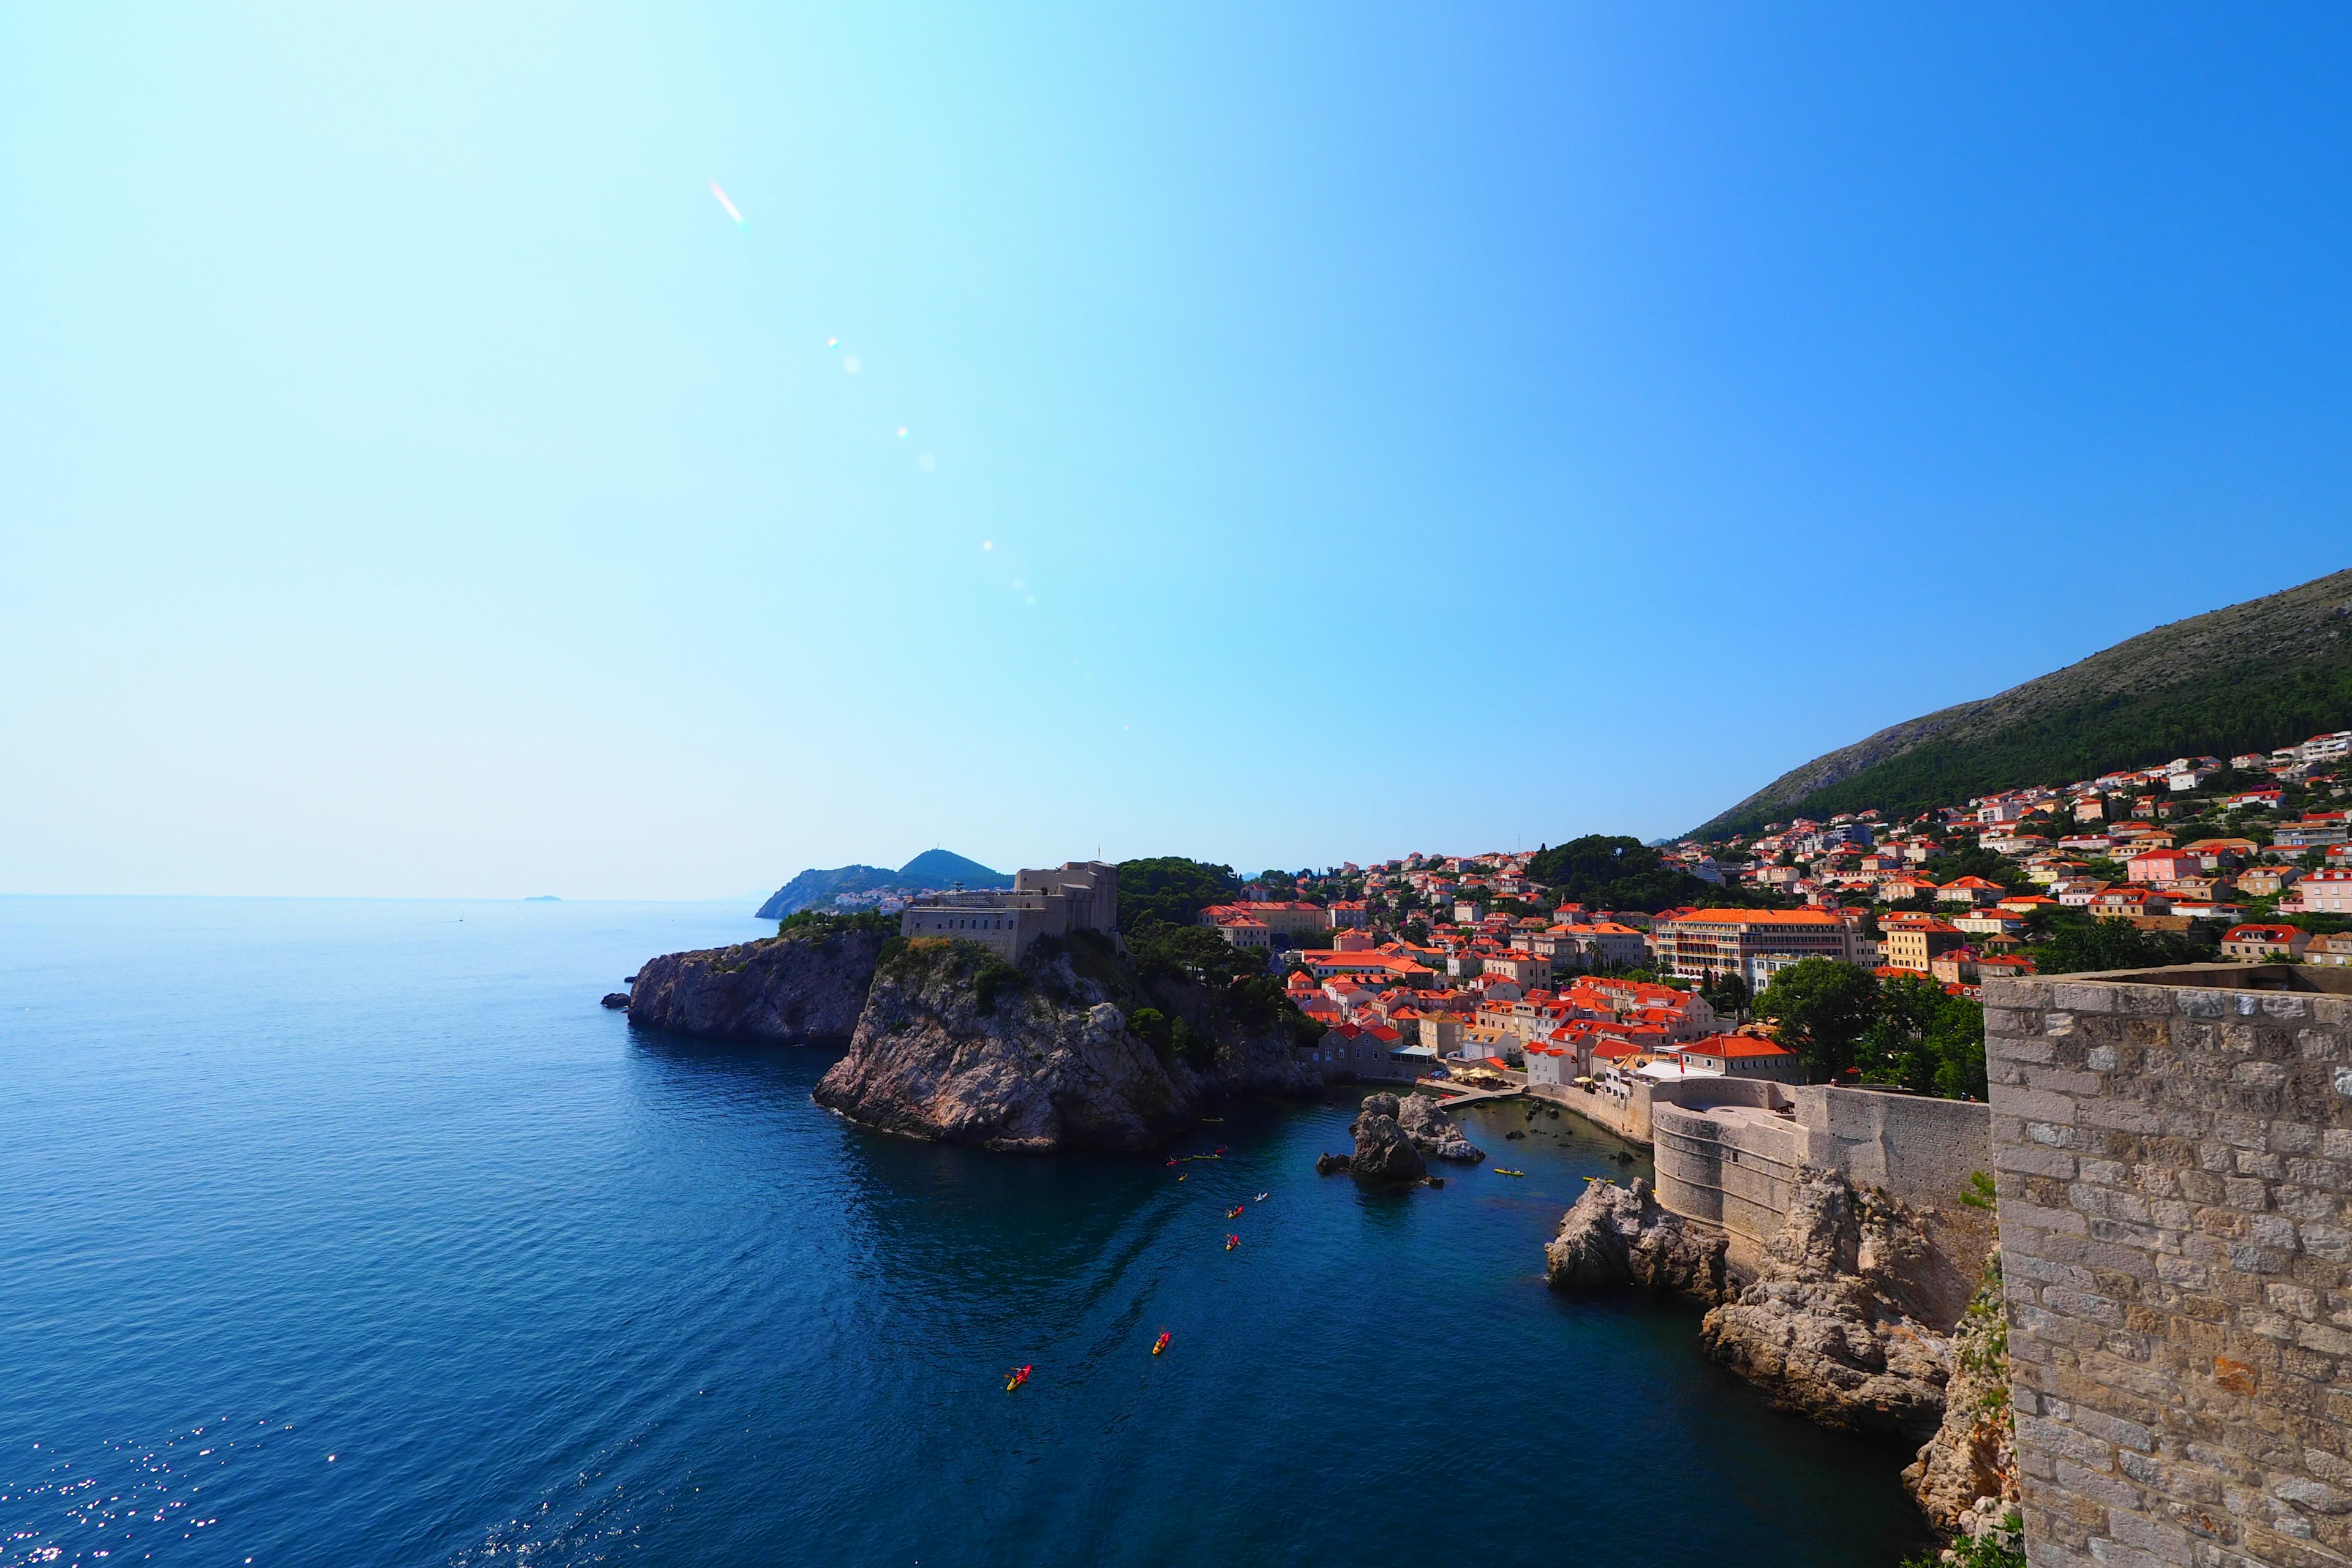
(803,987)
(1072,1048)
(1831,1328)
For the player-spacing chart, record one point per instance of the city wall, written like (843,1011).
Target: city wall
(2173,1150)
(1730,1153)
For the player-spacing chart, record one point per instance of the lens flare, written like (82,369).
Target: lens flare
(728,204)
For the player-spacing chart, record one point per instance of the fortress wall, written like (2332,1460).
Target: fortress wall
(2174,1150)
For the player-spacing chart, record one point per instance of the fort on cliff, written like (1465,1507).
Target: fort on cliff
(1081,895)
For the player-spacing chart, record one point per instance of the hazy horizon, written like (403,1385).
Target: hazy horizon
(1326,434)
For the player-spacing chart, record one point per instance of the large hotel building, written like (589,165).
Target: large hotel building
(1754,945)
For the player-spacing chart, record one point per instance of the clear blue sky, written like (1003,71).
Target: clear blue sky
(1349,430)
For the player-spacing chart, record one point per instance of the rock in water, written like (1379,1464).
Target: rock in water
(958,1046)
(1965,1478)
(616,999)
(1332,1164)
(803,989)
(1432,1131)
(1827,1330)
(1384,1150)
(1616,1236)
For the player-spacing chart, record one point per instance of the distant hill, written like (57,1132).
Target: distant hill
(930,870)
(2249,678)
(944,868)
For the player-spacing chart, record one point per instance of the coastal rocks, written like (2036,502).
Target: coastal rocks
(958,1046)
(1965,1479)
(1384,1149)
(1332,1164)
(1827,1330)
(616,1000)
(1616,1236)
(801,989)
(1433,1131)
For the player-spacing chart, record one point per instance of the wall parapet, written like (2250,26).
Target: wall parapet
(2173,1150)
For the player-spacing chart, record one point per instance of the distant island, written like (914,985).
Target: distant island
(851,888)
(542,899)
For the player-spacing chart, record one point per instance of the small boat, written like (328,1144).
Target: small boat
(1231,1242)
(1235,1212)
(1020,1375)
(1185,1174)
(1220,1153)
(1162,1343)
(1259,1199)
(1500,1172)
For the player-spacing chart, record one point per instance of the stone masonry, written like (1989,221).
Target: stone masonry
(2174,1152)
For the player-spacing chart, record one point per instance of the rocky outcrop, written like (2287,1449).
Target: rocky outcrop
(1829,1328)
(616,1000)
(958,1046)
(1617,1235)
(806,988)
(1433,1131)
(1965,1479)
(1384,1150)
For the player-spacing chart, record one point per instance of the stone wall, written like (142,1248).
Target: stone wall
(2173,1150)
(1731,1152)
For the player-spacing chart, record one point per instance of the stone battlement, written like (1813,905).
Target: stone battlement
(2174,1148)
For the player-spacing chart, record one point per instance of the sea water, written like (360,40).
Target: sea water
(356,1233)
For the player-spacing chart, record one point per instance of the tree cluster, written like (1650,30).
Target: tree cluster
(1844,1022)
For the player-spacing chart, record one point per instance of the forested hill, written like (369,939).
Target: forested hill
(2265,673)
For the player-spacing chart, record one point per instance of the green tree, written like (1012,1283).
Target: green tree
(1820,1008)
(1615,872)
(2077,944)
(1925,1039)
(1171,889)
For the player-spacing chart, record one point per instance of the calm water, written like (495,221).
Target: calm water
(355,1232)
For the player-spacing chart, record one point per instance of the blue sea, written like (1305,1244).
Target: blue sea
(355,1232)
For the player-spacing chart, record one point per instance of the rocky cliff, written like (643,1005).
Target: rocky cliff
(1965,1478)
(1070,1050)
(1618,1235)
(805,988)
(1829,1327)
(1433,1132)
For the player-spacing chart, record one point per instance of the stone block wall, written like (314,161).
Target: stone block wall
(2173,1150)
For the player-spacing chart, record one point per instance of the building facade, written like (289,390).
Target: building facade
(1708,943)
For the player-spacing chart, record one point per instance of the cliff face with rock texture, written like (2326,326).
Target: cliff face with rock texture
(1965,1478)
(1384,1150)
(801,989)
(959,1047)
(1433,1131)
(1616,1236)
(1829,1327)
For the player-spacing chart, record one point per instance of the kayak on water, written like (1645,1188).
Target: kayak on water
(1259,1199)
(1162,1343)
(1020,1375)
(1231,1242)
(1500,1172)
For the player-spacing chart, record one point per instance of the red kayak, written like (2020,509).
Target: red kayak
(1020,1375)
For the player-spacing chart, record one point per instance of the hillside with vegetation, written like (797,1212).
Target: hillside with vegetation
(1605,871)
(2228,681)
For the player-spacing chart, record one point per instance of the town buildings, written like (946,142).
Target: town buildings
(1080,895)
